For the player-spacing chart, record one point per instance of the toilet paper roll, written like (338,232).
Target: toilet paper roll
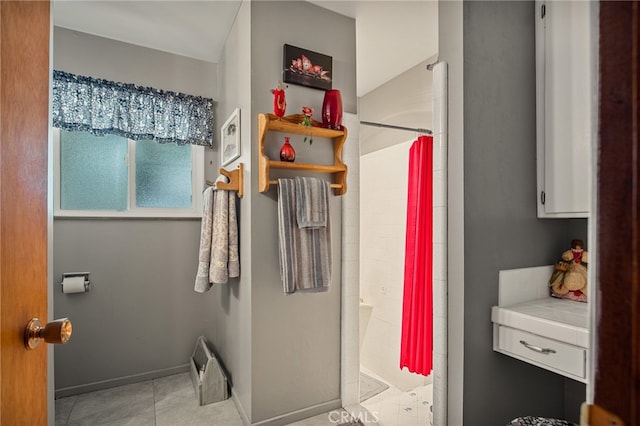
(73,284)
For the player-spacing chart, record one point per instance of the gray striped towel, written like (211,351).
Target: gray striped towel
(311,206)
(305,253)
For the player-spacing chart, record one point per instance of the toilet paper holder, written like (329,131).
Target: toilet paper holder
(87,283)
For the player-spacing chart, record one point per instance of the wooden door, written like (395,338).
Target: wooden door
(24,104)
(617,376)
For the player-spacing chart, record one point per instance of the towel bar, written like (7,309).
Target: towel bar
(236,180)
(333,185)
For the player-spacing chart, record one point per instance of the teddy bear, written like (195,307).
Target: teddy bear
(569,278)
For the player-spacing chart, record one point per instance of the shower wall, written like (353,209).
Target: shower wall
(405,101)
(383,222)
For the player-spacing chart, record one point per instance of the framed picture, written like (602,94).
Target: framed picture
(307,68)
(230,138)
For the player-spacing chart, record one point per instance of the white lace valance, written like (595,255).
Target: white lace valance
(106,107)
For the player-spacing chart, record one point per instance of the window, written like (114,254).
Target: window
(111,176)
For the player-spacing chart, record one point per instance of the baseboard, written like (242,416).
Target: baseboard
(295,416)
(288,418)
(120,381)
(239,407)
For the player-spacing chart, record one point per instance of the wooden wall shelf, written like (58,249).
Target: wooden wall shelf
(290,124)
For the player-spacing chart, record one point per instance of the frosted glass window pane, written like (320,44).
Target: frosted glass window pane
(163,175)
(93,171)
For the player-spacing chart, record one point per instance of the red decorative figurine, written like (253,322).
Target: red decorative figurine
(279,101)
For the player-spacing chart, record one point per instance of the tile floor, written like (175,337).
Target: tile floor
(396,408)
(171,401)
(168,401)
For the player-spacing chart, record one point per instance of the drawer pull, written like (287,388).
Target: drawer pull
(538,349)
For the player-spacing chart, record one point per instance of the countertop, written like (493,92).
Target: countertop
(563,320)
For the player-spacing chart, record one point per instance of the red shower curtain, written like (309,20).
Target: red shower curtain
(417,310)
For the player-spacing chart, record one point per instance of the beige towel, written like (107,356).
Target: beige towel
(218,272)
(204,255)
(218,257)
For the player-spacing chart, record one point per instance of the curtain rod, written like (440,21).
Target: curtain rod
(391,126)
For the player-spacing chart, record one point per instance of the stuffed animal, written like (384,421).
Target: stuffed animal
(569,278)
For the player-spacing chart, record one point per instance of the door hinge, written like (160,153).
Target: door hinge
(543,11)
(542,197)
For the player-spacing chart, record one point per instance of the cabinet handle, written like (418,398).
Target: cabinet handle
(542,197)
(538,349)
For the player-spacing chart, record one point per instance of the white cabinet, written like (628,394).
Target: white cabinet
(533,327)
(566,58)
(550,354)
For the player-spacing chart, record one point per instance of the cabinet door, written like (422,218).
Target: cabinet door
(564,79)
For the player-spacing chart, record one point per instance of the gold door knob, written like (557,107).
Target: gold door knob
(57,331)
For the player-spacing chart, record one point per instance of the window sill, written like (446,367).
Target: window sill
(69,214)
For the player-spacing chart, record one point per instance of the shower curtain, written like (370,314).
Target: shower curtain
(417,310)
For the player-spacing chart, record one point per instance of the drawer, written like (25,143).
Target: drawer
(547,353)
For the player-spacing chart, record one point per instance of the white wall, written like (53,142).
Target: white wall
(350,355)
(450,50)
(440,245)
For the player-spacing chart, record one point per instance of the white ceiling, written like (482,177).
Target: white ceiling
(391,35)
(197,29)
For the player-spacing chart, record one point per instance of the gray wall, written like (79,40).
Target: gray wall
(271,344)
(99,57)
(228,315)
(296,339)
(142,316)
(574,396)
(501,230)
